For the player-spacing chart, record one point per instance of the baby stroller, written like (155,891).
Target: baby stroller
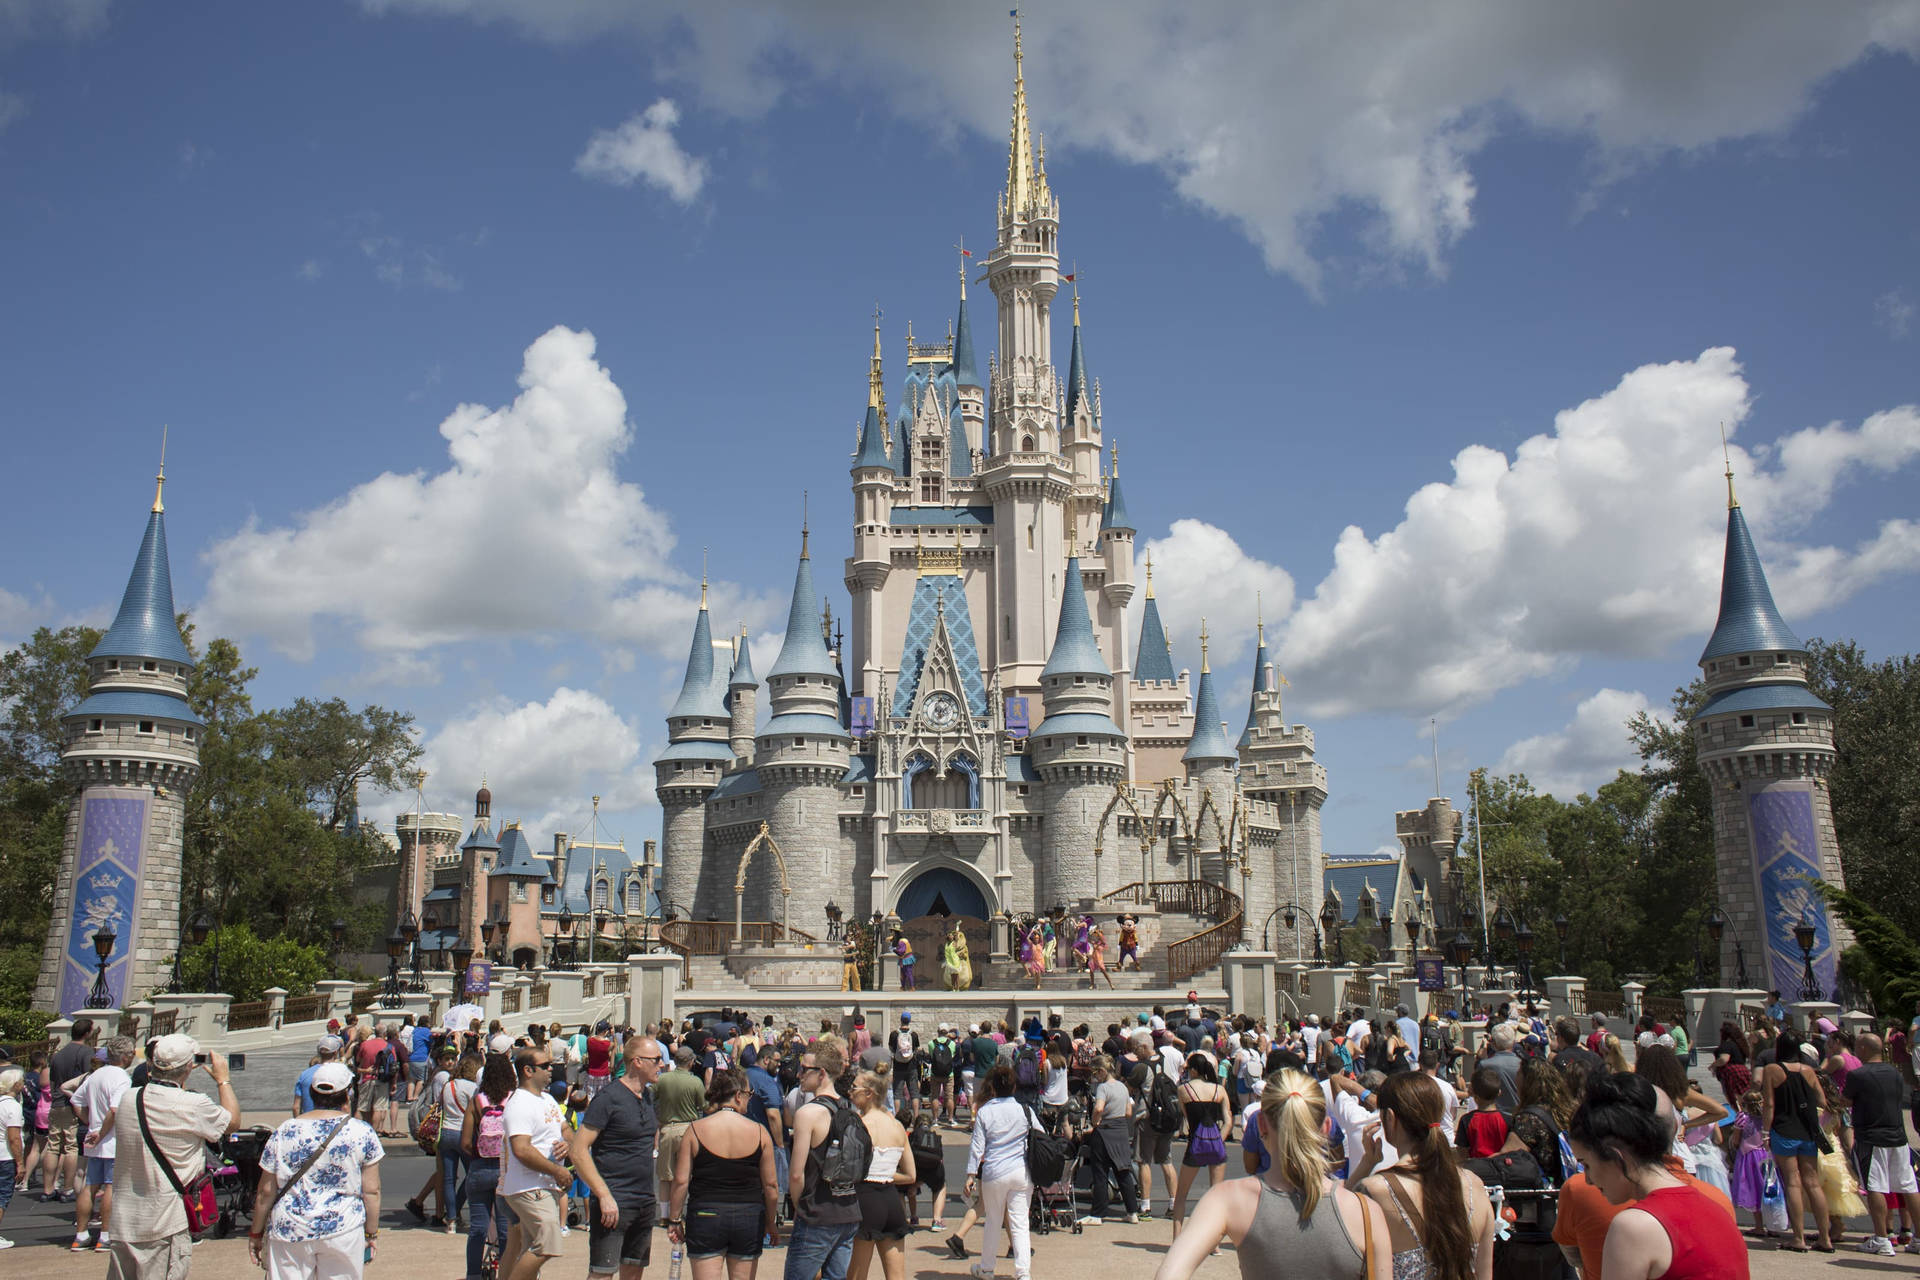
(1524,1248)
(1055,1206)
(234,1163)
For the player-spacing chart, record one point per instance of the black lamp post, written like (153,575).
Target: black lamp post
(337,931)
(599,924)
(1412,925)
(1470,923)
(396,947)
(1560,927)
(429,923)
(462,957)
(1716,926)
(833,921)
(1805,935)
(879,970)
(200,926)
(100,997)
(1523,938)
(1329,925)
(566,936)
(1462,949)
(486,938)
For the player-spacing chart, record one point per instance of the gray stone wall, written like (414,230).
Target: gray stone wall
(683,842)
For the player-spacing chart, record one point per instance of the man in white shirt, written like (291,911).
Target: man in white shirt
(535,1130)
(1350,1103)
(150,1236)
(1172,1059)
(97,1099)
(1310,1036)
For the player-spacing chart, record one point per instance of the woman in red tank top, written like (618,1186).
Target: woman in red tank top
(1673,1231)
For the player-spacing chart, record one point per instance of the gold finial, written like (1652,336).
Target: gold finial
(1074,279)
(703,579)
(1073,533)
(803,524)
(1732,501)
(1204,668)
(1113,450)
(961,247)
(876,383)
(1149,575)
(1259,618)
(160,481)
(1020,175)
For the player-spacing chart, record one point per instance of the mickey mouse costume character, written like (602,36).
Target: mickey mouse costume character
(1129,941)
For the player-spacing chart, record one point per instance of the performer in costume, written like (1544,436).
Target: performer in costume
(850,961)
(1097,959)
(1129,941)
(1083,943)
(956,970)
(1030,955)
(904,949)
(1049,945)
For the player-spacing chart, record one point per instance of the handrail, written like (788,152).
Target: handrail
(716,937)
(1203,950)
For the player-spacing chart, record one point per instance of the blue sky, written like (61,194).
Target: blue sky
(1425,328)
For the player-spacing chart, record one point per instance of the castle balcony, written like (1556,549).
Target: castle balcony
(941,821)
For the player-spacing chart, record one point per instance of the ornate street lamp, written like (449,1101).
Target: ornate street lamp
(1462,951)
(1560,927)
(1805,935)
(566,937)
(337,931)
(396,947)
(1523,938)
(879,971)
(429,923)
(1716,926)
(1412,925)
(1329,924)
(599,923)
(462,957)
(100,997)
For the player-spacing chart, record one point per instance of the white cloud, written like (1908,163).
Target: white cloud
(644,148)
(543,761)
(1894,313)
(529,531)
(1601,537)
(1588,751)
(22,20)
(310,270)
(1199,571)
(1276,117)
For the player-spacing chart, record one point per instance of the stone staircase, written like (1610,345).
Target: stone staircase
(1151,976)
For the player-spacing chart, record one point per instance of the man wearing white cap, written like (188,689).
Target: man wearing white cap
(327,1050)
(149,1222)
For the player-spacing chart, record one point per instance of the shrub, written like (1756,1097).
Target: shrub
(250,964)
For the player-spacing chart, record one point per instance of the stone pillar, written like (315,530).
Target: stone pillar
(1632,997)
(652,982)
(1250,984)
(1567,996)
(1325,987)
(202,1015)
(1806,1012)
(339,993)
(141,1011)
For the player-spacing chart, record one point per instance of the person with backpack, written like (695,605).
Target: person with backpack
(1029,1073)
(1208,1113)
(482,1138)
(942,1053)
(831,1149)
(1003,1128)
(905,1046)
(1157,1116)
(379,1070)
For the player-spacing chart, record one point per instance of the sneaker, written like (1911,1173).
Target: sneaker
(102,1245)
(937,1225)
(69,1196)
(1132,1218)
(956,1248)
(1876,1244)
(1091,1221)
(79,1245)
(5,1243)
(980,1273)
(1913,1246)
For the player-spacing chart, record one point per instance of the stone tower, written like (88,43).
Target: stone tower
(1277,765)
(1078,750)
(743,692)
(132,750)
(1210,760)
(800,758)
(1765,744)
(699,748)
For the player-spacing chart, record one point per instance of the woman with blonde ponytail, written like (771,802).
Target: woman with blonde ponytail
(1293,1220)
(1438,1216)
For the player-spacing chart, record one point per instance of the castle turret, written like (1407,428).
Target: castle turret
(699,729)
(743,692)
(1078,750)
(1080,429)
(800,757)
(1765,743)
(1116,542)
(1210,761)
(1277,766)
(132,750)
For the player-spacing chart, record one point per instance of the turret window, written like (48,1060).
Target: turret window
(189,733)
(149,666)
(1799,717)
(1780,660)
(113,664)
(95,726)
(1746,722)
(146,726)
(1745,661)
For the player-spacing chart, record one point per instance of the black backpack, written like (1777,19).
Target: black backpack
(943,1057)
(1046,1153)
(1026,1069)
(1163,1103)
(847,1152)
(386,1064)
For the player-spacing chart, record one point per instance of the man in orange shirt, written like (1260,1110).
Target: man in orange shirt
(1580,1229)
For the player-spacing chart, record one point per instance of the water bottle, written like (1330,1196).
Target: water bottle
(673,1263)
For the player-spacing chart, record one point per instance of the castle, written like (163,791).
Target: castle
(994,732)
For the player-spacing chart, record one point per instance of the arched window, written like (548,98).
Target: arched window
(600,894)
(1026,444)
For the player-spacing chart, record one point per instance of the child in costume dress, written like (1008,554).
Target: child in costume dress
(904,950)
(1836,1165)
(1049,946)
(1030,954)
(1097,960)
(1749,1157)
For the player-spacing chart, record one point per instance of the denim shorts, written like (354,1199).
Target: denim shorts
(730,1228)
(7,1170)
(99,1172)
(1790,1147)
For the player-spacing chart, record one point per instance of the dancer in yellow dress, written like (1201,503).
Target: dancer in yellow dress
(956,966)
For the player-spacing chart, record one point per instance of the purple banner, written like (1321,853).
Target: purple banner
(862,716)
(1786,848)
(1017,723)
(106,881)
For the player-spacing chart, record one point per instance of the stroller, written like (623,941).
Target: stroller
(1527,1207)
(1056,1206)
(234,1163)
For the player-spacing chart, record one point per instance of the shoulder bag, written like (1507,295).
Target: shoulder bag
(196,1197)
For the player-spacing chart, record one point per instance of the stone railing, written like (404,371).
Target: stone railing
(615,984)
(510,1000)
(716,937)
(1667,1010)
(1609,1003)
(538,995)
(1358,993)
(589,985)
(164,1022)
(249,1014)
(938,820)
(313,1008)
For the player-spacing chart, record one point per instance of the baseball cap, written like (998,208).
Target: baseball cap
(906,1015)
(332,1077)
(502,1043)
(945,1028)
(328,1044)
(1193,995)
(170,1053)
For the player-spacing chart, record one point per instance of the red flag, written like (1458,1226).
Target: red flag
(966,253)
(1066,277)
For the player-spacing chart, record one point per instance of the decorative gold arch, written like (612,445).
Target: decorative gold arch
(763,839)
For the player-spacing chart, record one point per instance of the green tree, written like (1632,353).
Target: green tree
(249,964)
(40,682)
(330,751)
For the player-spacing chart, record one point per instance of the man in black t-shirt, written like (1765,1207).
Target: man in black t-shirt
(1880,1140)
(613,1155)
(69,1062)
(1569,1053)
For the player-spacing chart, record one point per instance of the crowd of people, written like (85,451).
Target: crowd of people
(1375,1147)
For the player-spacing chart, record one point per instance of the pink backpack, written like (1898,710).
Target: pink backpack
(491,1133)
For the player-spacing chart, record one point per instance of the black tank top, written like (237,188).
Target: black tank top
(716,1179)
(1792,1101)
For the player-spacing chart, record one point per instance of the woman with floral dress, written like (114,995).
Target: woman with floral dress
(316,1211)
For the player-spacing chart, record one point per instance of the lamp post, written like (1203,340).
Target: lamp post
(100,997)
(201,925)
(1805,935)
(1502,931)
(1329,922)
(396,947)
(337,931)
(1412,925)
(486,938)
(566,936)
(1470,921)
(1560,927)
(429,923)
(1715,925)
(599,926)
(1523,938)
(874,925)
(1740,963)
(1462,949)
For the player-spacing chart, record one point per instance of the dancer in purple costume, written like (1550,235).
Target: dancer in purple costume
(1083,943)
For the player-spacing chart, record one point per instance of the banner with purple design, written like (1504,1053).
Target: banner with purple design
(106,882)
(1786,846)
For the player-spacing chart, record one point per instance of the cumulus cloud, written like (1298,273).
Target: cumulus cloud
(1891,309)
(1199,571)
(543,761)
(1601,537)
(643,149)
(1276,117)
(1587,751)
(528,531)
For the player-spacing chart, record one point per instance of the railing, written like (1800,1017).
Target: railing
(539,995)
(715,937)
(1358,993)
(1610,1003)
(305,1008)
(510,1000)
(1203,950)
(129,1026)
(249,1015)
(587,985)
(939,819)
(365,997)
(616,984)
(164,1021)
(1668,1010)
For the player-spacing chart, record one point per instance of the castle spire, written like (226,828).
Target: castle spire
(1154,660)
(700,696)
(146,626)
(1076,364)
(1749,620)
(160,481)
(1074,650)
(1020,142)
(1259,670)
(876,382)
(966,372)
(1208,742)
(1732,501)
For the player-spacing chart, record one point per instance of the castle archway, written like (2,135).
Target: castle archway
(936,900)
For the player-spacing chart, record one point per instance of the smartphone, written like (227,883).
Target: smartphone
(236,1062)
(368,1256)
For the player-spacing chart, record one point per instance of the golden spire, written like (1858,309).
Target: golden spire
(1259,619)
(803,524)
(1073,534)
(1114,451)
(1149,575)
(961,248)
(703,579)
(876,384)
(160,481)
(1204,668)
(1020,184)
(1732,501)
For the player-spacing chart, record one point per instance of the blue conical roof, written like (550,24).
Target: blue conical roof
(146,626)
(698,694)
(965,371)
(743,666)
(1114,514)
(1155,660)
(873,443)
(1074,651)
(1748,619)
(1209,742)
(804,651)
(960,453)
(1076,374)
(1259,669)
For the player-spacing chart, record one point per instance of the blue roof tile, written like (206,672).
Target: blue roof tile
(700,695)
(1209,741)
(1154,660)
(966,371)
(138,703)
(742,665)
(1076,375)
(1077,722)
(735,785)
(1786,696)
(859,769)
(146,626)
(803,723)
(695,749)
(1350,877)
(1259,670)
(959,451)
(1074,650)
(1114,514)
(516,857)
(873,443)
(804,651)
(1748,619)
(971,516)
(929,593)
(1020,769)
